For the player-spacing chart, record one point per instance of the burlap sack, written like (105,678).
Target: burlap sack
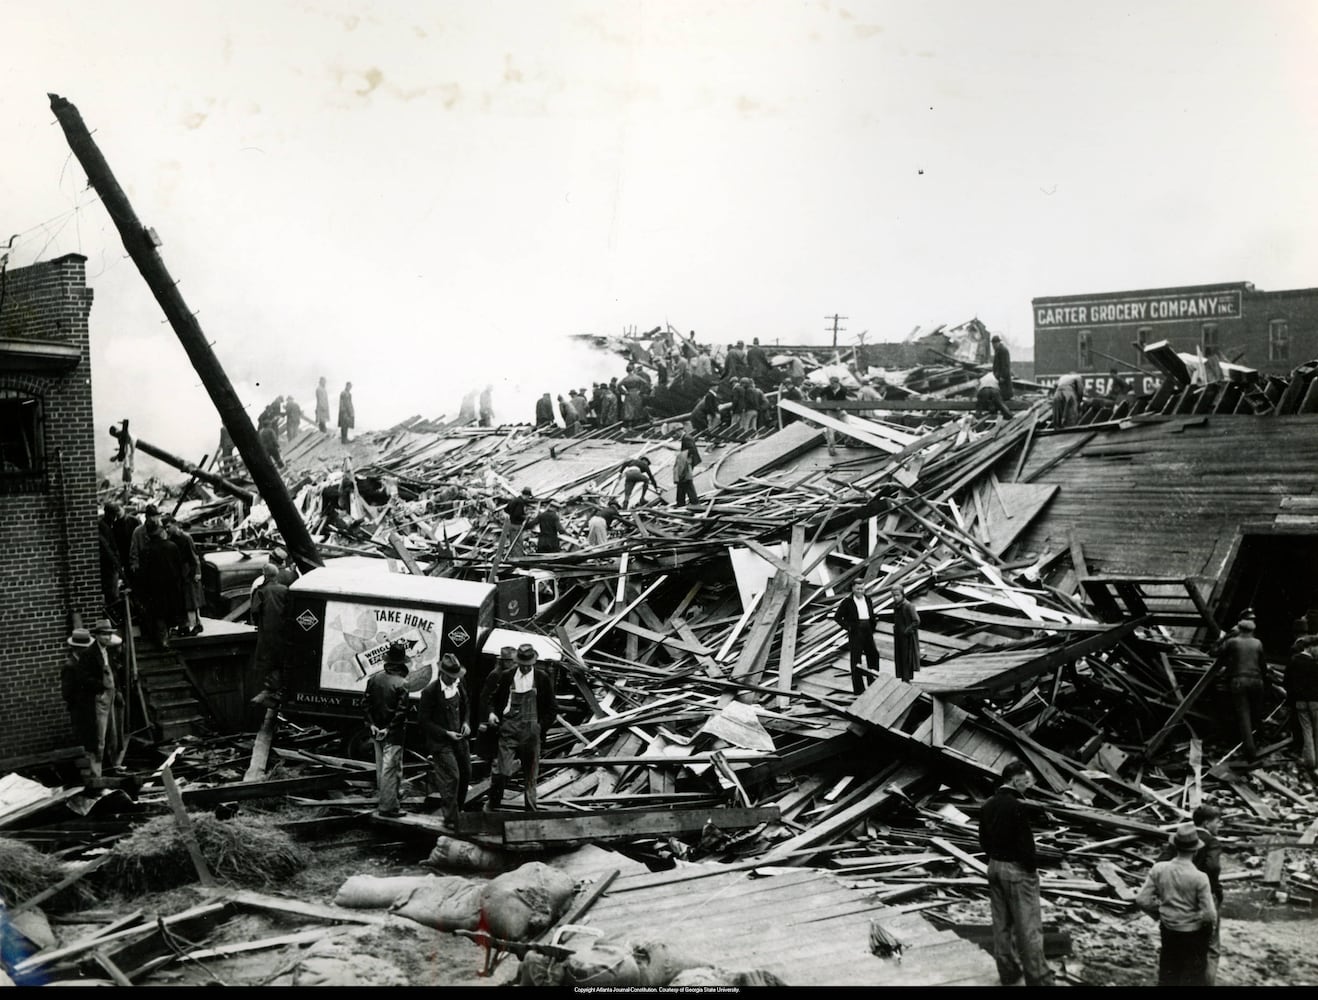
(452,905)
(657,962)
(603,965)
(449,852)
(372,892)
(520,904)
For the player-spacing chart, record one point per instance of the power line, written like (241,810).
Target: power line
(835,328)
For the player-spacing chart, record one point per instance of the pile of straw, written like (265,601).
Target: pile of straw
(25,871)
(243,850)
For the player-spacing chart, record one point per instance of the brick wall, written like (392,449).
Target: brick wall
(49,569)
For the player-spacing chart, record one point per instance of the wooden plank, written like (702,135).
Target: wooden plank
(184,823)
(1181,710)
(1274,866)
(1110,874)
(969,860)
(264,789)
(59,886)
(791,615)
(251,900)
(633,823)
(936,731)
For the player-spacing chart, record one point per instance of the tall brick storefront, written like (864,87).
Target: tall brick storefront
(48,550)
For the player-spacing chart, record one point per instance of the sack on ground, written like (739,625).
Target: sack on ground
(603,965)
(371,892)
(715,976)
(538,969)
(658,962)
(452,905)
(522,903)
(449,852)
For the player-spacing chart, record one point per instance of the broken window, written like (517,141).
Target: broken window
(1208,337)
(1279,345)
(22,443)
(1085,354)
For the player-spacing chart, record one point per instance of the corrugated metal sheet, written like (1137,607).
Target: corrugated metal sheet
(1182,488)
(805,926)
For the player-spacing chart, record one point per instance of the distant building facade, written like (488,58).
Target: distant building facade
(1272,332)
(49,571)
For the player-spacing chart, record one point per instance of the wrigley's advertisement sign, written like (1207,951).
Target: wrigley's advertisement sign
(1139,309)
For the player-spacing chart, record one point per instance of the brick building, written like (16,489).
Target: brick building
(48,509)
(1270,331)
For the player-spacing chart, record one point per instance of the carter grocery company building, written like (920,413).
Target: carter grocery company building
(1270,331)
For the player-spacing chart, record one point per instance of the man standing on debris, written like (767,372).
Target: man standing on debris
(385,704)
(548,525)
(834,391)
(347,415)
(292,418)
(1002,366)
(514,524)
(1302,692)
(905,634)
(1006,839)
(523,708)
(1178,895)
(322,406)
(486,418)
(544,412)
(569,415)
(445,715)
(705,414)
(855,614)
(684,478)
(1246,673)
(88,688)
(190,584)
(1208,859)
(757,360)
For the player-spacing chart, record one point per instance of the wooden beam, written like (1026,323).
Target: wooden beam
(791,615)
(633,823)
(184,823)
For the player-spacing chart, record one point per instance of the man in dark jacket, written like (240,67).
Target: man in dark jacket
(385,705)
(111,567)
(1002,366)
(87,685)
(1302,693)
(267,614)
(445,716)
(855,614)
(159,586)
(347,413)
(523,706)
(544,411)
(322,406)
(905,634)
(834,391)
(1246,666)
(1008,842)
(547,525)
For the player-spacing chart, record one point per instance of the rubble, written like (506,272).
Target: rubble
(711,730)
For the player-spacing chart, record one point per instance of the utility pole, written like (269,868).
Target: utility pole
(141,244)
(836,329)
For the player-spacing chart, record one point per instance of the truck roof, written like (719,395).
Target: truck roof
(335,582)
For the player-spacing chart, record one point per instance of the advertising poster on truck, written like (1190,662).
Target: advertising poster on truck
(357,637)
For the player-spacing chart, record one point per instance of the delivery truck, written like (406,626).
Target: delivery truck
(339,622)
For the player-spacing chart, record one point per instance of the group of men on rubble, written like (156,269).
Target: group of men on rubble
(516,709)
(156,562)
(284,415)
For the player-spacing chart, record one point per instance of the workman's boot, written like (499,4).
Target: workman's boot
(494,797)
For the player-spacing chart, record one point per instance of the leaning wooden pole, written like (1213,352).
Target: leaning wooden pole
(141,244)
(183,465)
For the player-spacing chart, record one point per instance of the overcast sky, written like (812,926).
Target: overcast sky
(423,197)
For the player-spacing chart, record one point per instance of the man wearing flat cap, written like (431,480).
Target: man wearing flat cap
(445,715)
(1178,895)
(523,707)
(385,705)
(1002,366)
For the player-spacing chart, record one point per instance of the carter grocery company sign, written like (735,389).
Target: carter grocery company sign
(1139,309)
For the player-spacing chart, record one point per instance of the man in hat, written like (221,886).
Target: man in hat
(1179,896)
(515,511)
(385,705)
(1208,859)
(322,406)
(150,518)
(445,716)
(1001,366)
(267,614)
(1008,842)
(111,668)
(87,684)
(1246,673)
(523,707)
